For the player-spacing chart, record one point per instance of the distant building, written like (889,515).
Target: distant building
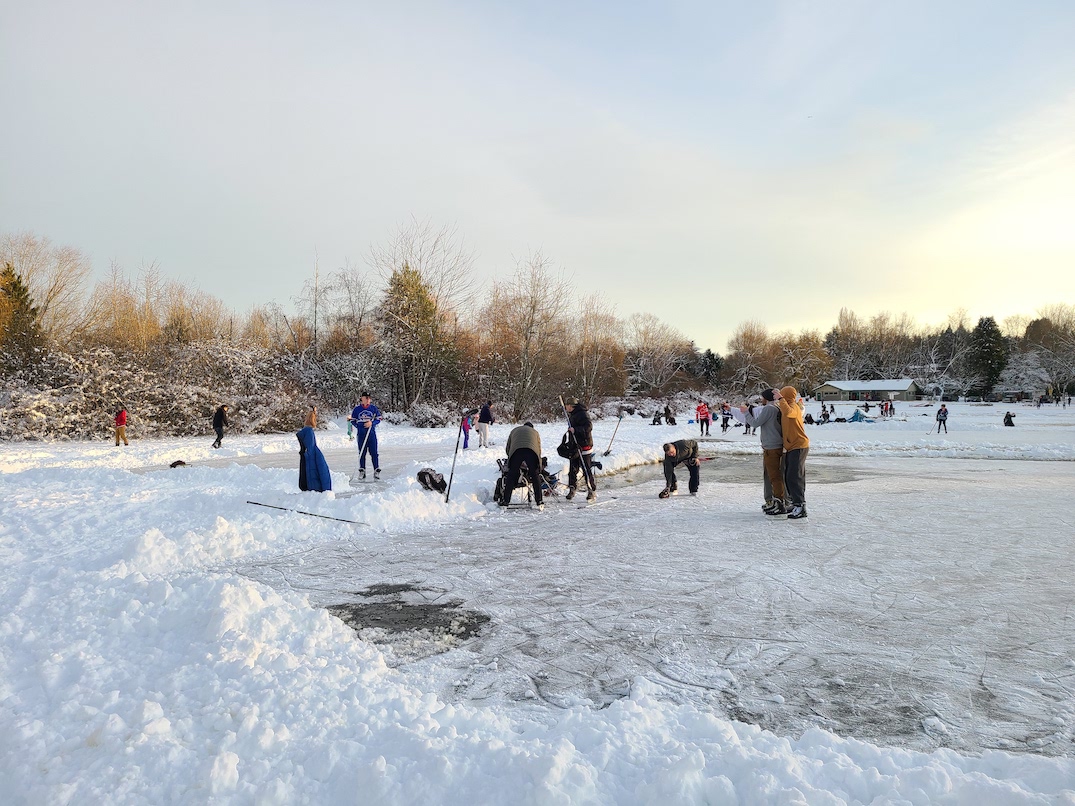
(891,389)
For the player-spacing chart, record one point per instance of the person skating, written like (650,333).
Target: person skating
(725,416)
(485,419)
(942,419)
(523,448)
(767,418)
(220,421)
(796,448)
(676,453)
(581,429)
(703,417)
(120,422)
(365,417)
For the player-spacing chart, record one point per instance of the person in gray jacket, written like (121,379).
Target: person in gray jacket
(523,448)
(767,417)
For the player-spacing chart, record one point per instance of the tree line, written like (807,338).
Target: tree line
(409,325)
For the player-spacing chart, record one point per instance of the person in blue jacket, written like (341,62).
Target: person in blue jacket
(365,417)
(313,469)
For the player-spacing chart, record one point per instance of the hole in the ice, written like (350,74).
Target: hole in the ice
(447,619)
(407,622)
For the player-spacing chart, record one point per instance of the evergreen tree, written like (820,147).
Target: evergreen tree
(20,321)
(709,367)
(988,354)
(418,340)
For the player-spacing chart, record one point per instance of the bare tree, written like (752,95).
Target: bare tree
(57,278)
(526,321)
(599,363)
(655,351)
(440,257)
(350,302)
(752,358)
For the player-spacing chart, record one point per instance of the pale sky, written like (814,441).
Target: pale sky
(709,162)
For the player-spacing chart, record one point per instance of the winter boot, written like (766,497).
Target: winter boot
(570,493)
(591,495)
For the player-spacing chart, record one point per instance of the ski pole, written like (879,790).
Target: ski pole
(608,451)
(586,473)
(458,437)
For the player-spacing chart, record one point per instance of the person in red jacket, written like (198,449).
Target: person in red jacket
(703,417)
(121,426)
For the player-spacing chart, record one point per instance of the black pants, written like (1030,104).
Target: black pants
(703,428)
(581,463)
(515,469)
(942,424)
(795,475)
(692,469)
(219,436)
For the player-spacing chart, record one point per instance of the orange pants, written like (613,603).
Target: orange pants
(121,434)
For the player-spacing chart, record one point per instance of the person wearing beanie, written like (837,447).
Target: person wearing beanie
(796,447)
(581,429)
(766,416)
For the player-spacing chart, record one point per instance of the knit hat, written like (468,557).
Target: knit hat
(571,401)
(768,395)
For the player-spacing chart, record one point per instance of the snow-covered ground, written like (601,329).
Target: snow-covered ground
(913,640)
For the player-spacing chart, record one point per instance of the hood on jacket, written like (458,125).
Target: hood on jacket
(790,394)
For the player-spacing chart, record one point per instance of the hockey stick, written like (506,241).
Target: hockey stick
(591,484)
(304,512)
(608,451)
(458,437)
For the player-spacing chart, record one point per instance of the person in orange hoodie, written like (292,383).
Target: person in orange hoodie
(796,447)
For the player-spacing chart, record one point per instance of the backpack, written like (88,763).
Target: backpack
(432,480)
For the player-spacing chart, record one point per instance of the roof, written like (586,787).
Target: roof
(890,385)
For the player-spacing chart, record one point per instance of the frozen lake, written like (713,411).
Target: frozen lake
(924,602)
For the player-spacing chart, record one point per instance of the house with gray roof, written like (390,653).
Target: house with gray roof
(885,389)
